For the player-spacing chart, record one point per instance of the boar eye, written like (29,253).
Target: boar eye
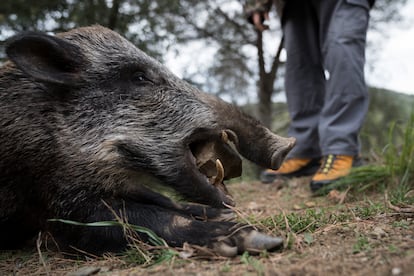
(140,77)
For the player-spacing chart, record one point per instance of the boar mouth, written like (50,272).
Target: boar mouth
(216,158)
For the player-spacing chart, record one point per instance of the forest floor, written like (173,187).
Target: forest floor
(339,234)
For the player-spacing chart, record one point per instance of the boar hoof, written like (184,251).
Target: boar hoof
(251,241)
(225,250)
(256,242)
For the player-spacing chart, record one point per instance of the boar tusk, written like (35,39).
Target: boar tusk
(220,173)
(232,136)
(224,137)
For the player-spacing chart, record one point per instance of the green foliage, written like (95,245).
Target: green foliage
(150,25)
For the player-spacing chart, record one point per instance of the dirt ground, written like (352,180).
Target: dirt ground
(362,237)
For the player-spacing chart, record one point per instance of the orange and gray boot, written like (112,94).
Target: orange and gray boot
(292,167)
(333,167)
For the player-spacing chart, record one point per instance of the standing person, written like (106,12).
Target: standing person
(325,86)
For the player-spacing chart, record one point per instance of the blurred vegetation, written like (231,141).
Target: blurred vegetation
(241,65)
(386,108)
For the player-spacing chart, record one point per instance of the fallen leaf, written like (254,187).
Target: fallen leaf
(253,205)
(378,233)
(308,238)
(310,204)
(187,252)
(335,196)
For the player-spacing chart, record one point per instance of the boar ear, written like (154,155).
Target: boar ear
(46,58)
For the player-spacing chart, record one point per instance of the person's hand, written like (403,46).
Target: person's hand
(259,18)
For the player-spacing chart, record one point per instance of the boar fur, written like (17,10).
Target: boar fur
(91,125)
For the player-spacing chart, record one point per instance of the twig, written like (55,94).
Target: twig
(286,221)
(239,228)
(352,212)
(39,251)
(240,214)
(131,235)
(306,227)
(396,208)
(343,196)
(87,254)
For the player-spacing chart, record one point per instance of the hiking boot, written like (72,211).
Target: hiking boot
(333,167)
(293,167)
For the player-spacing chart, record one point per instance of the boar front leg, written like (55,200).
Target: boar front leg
(225,238)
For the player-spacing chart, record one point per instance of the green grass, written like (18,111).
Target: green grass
(401,224)
(393,249)
(226,267)
(253,262)
(369,210)
(362,244)
(309,221)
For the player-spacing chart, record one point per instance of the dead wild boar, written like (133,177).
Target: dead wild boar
(88,121)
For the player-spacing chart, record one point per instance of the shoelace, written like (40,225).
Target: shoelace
(327,163)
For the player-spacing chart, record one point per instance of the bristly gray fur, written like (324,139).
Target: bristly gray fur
(85,116)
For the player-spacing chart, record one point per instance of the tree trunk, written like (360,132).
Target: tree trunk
(266,81)
(113,15)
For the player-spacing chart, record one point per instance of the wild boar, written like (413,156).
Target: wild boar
(88,121)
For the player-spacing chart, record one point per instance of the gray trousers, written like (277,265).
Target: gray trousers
(325,87)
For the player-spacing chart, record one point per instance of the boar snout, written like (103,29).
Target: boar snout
(263,147)
(252,140)
(282,148)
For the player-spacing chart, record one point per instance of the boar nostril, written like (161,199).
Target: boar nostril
(279,155)
(292,143)
(232,136)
